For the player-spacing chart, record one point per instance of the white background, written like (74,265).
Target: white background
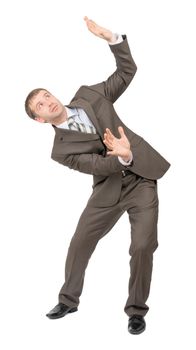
(46,44)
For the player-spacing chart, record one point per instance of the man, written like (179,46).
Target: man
(90,138)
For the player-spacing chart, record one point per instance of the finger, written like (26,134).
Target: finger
(121,131)
(108,145)
(109,134)
(108,140)
(92,25)
(108,137)
(88,19)
(95,24)
(111,153)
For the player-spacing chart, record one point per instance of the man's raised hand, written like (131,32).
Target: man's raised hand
(98,30)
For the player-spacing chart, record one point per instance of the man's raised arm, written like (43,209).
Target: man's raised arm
(126,68)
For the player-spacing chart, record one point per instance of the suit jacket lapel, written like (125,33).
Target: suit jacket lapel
(75,136)
(89,111)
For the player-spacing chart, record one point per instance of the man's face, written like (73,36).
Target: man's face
(46,107)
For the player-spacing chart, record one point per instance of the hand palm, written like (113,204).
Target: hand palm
(98,30)
(118,146)
(121,142)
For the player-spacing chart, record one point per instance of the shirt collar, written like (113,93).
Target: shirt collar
(71,112)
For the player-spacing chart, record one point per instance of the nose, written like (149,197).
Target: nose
(50,104)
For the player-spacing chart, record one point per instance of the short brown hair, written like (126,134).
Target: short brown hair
(28,101)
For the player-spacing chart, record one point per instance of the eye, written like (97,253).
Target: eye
(47,96)
(40,105)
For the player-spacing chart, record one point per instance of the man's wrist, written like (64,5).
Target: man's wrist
(126,160)
(115,39)
(129,157)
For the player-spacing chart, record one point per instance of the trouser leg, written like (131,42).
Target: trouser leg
(93,224)
(141,203)
(143,244)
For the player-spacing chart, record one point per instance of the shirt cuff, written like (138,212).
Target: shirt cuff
(116,39)
(125,163)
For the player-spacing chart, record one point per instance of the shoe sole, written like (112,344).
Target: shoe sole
(62,315)
(136,332)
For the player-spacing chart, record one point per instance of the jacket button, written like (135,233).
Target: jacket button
(61,138)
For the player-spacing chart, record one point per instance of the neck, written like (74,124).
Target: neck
(61,118)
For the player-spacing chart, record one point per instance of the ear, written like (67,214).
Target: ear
(39,119)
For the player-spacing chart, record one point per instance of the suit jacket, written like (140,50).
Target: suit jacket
(87,152)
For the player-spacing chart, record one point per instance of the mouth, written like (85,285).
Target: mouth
(54,108)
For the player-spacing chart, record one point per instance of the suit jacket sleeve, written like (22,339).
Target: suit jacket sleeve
(93,164)
(126,68)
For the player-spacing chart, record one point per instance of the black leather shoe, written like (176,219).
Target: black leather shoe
(60,310)
(136,324)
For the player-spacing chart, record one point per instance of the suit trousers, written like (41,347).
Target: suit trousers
(139,198)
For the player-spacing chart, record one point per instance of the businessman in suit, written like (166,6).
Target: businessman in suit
(91,138)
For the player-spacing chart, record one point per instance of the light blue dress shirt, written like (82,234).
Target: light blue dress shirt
(79,116)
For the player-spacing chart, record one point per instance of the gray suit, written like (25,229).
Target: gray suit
(112,194)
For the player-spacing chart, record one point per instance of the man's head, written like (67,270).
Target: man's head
(42,106)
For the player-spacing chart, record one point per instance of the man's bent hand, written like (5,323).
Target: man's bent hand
(119,147)
(98,30)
